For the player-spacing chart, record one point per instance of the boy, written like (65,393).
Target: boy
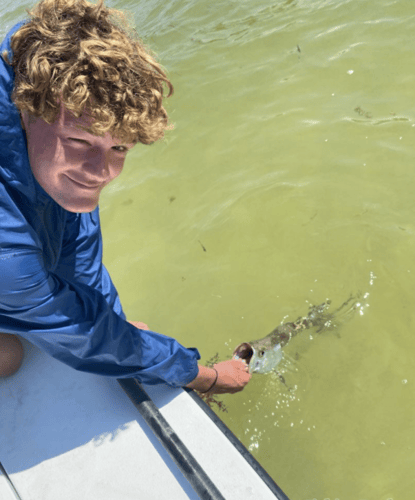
(77,92)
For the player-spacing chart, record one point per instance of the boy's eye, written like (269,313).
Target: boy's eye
(80,141)
(120,149)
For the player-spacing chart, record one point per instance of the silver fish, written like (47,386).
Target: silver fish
(263,355)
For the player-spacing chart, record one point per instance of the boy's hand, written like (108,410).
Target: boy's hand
(232,377)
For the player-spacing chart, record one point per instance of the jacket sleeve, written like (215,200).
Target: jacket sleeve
(75,324)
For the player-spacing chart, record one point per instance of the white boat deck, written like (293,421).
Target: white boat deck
(68,435)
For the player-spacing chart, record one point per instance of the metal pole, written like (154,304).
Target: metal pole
(182,457)
(9,481)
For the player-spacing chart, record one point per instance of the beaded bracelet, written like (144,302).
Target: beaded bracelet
(214,382)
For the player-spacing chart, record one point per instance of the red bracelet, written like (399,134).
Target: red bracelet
(214,382)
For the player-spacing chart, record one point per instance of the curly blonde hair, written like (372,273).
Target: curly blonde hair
(86,57)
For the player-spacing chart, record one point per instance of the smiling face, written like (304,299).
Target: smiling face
(70,164)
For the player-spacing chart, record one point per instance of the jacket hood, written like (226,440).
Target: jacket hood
(15,168)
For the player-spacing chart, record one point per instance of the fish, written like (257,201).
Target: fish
(264,355)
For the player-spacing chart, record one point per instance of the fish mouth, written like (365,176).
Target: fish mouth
(258,361)
(244,351)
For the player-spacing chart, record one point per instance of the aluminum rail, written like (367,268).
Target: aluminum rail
(9,482)
(185,461)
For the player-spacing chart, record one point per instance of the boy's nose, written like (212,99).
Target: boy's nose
(97,165)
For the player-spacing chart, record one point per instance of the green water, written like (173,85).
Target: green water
(288,179)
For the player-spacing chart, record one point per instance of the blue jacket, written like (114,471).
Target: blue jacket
(54,290)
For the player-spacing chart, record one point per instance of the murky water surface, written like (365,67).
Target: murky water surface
(288,179)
